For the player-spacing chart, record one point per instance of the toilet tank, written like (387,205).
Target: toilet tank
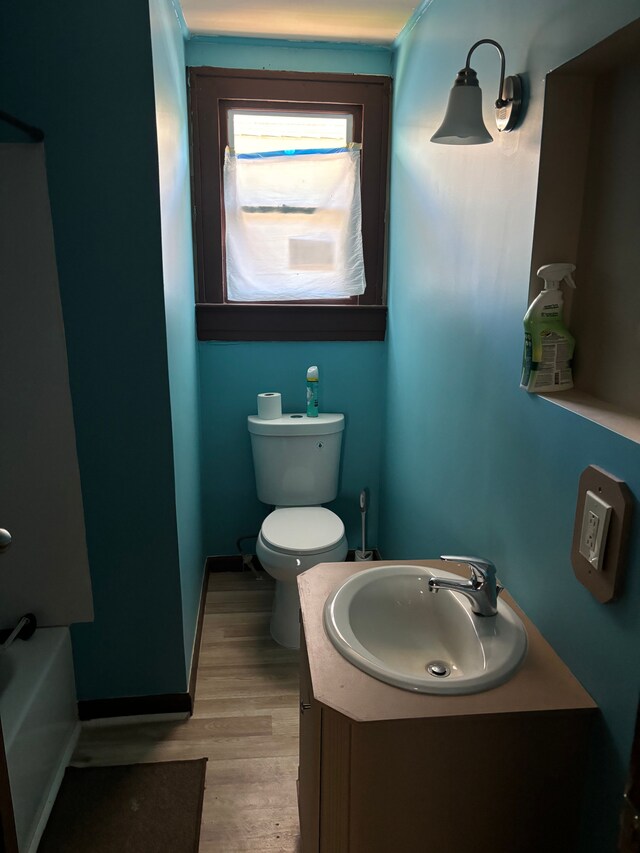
(296,458)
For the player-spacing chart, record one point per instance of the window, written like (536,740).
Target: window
(250,131)
(291,184)
(322,127)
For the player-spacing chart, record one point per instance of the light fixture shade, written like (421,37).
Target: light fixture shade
(463,123)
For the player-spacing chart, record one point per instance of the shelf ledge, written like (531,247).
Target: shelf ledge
(608,415)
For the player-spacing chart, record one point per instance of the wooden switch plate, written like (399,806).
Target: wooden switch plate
(605,584)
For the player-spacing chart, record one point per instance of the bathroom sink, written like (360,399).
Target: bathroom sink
(386,622)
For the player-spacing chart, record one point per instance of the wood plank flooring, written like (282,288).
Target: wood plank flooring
(245,722)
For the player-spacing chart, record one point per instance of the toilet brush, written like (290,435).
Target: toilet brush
(363,554)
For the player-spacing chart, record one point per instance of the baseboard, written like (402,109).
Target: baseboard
(234,562)
(114,722)
(225,563)
(133,706)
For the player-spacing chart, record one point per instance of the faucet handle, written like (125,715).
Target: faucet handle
(482,571)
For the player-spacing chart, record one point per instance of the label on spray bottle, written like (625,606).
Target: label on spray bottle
(527,362)
(553,370)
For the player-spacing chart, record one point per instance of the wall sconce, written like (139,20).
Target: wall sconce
(463,123)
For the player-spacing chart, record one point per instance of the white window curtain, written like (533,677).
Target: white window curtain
(293,225)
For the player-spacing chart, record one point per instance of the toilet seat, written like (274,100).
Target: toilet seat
(302,530)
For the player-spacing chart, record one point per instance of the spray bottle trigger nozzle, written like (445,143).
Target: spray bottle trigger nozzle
(553,274)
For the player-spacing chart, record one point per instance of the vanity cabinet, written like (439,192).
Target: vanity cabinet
(384,769)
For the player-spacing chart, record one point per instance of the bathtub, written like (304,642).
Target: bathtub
(39,717)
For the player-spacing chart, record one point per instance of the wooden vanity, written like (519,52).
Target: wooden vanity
(385,770)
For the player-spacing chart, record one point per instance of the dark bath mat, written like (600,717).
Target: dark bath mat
(136,808)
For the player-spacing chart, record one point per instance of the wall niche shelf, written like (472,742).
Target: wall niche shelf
(587,213)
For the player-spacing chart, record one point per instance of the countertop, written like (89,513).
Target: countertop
(542,684)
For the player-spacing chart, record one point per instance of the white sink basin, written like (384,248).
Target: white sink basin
(387,622)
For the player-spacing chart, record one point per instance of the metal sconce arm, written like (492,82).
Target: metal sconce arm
(500,102)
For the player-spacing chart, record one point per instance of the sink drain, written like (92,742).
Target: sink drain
(438,668)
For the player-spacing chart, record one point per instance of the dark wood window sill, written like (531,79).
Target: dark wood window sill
(291,322)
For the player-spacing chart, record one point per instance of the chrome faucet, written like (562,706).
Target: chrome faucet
(482,588)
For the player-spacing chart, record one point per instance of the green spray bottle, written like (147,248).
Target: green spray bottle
(548,346)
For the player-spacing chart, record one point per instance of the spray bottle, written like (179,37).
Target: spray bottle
(548,346)
(312,392)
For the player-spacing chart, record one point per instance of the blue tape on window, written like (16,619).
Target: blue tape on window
(290,152)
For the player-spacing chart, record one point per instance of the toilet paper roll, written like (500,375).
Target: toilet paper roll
(269,405)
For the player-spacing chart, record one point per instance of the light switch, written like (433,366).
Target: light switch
(595,526)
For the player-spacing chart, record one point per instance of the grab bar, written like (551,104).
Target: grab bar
(24,630)
(34,132)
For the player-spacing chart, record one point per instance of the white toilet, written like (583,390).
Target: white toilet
(296,461)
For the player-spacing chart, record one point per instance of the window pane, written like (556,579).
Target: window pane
(251,132)
(293,226)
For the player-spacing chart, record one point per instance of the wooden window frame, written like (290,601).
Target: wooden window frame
(212,92)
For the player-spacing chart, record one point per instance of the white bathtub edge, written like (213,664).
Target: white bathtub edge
(47,805)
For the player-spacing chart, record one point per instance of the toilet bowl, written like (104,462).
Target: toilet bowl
(296,461)
(292,540)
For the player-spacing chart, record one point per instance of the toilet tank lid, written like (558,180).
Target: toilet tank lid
(296,424)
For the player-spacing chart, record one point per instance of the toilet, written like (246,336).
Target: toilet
(296,461)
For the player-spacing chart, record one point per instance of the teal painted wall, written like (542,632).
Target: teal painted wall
(472,464)
(231,375)
(177,260)
(228,52)
(83,72)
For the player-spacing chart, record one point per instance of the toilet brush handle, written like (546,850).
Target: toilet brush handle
(364,501)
